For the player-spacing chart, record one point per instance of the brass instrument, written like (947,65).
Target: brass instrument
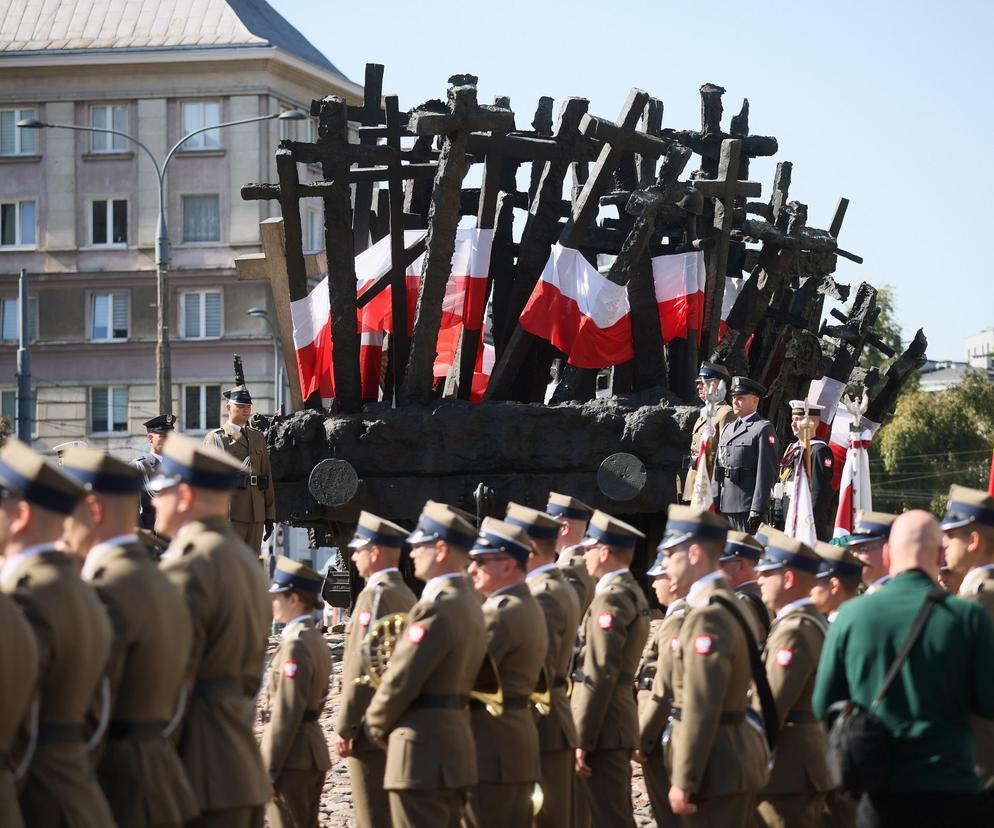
(378,647)
(488,689)
(541,696)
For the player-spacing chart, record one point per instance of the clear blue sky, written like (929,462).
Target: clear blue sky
(887,103)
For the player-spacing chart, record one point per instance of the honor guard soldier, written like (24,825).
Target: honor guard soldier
(573,516)
(822,469)
(139,770)
(738,565)
(838,579)
(968,544)
(507,754)
(746,468)
(72,632)
(708,379)
(866,542)
(294,749)
(157,430)
(375,549)
(253,504)
(613,632)
(420,710)
(225,591)
(799,778)
(560,605)
(716,754)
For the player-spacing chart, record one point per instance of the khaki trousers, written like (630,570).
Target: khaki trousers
(657,785)
(734,811)
(426,809)
(557,789)
(840,810)
(609,789)
(298,799)
(250,817)
(369,801)
(251,533)
(498,805)
(804,810)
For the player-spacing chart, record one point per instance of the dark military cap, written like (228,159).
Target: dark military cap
(296,576)
(98,471)
(162,424)
(784,551)
(838,561)
(498,537)
(967,506)
(538,525)
(567,506)
(741,545)
(608,530)
(374,530)
(870,526)
(438,521)
(712,370)
(28,475)
(204,467)
(744,385)
(686,522)
(239,395)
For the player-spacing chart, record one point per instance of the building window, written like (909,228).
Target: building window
(197,115)
(201,218)
(10,321)
(109,316)
(17,224)
(14,141)
(108,409)
(109,221)
(109,117)
(313,230)
(201,314)
(201,407)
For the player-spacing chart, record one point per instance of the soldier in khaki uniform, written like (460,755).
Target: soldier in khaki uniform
(557,738)
(507,755)
(869,535)
(139,769)
(294,749)
(968,544)
(709,377)
(613,632)
(420,710)
(799,779)
(716,756)
(225,591)
(375,549)
(838,579)
(253,503)
(573,516)
(73,637)
(738,565)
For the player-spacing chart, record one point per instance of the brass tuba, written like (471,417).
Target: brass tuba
(541,696)
(487,688)
(378,647)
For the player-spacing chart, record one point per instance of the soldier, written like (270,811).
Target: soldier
(507,755)
(376,554)
(745,470)
(157,430)
(799,778)
(838,579)
(738,565)
(822,469)
(139,769)
(867,543)
(556,732)
(253,505)
(225,591)
(573,516)
(294,749)
(613,632)
(716,755)
(422,703)
(968,544)
(72,632)
(708,379)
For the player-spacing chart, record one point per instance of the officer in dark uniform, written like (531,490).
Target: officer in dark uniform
(822,469)
(746,467)
(157,429)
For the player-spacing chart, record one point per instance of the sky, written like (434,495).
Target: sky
(886,103)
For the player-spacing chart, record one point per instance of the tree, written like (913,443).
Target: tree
(6,428)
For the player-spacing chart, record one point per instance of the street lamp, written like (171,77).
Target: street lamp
(163,369)
(260,313)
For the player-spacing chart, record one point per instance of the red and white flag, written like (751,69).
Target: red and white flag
(733,287)
(800,521)
(854,493)
(679,285)
(701,497)
(580,311)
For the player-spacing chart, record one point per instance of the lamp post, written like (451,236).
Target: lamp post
(260,313)
(163,368)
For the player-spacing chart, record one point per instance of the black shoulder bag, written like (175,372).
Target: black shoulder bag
(859,745)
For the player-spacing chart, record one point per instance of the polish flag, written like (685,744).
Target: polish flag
(701,497)
(855,493)
(733,287)
(800,521)
(448,341)
(679,284)
(580,311)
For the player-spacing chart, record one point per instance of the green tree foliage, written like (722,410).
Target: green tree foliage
(6,428)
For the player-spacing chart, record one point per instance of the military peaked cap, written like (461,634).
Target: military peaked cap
(784,551)
(374,530)
(162,424)
(296,576)
(712,370)
(538,525)
(501,537)
(438,521)
(608,530)
(567,506)
(98,471)
(838,561)
(239,395)
(744,385)
(29,475)
(686,522)
(204,467)
(871,526)
(741,545)
(797,408)
(968,506)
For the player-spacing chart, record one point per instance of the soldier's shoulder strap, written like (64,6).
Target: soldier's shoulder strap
(760,608)
(217,436)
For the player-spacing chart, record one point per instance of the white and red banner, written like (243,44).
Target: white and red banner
(679,283)
(580,311)
(800,521)
(701,497)
(733,287)
(854,493)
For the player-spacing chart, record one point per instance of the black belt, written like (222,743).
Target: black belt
(509,703)
(312,715)
(59,734)
(727,717)
(623,678)
(441,701)
(137,731)
(260,481)
(560,681)
(736,474)
(218,688)
(801,717)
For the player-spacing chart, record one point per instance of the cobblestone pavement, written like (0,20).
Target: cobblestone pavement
(336,798)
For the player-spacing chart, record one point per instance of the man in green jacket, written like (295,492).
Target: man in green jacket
(948,676)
